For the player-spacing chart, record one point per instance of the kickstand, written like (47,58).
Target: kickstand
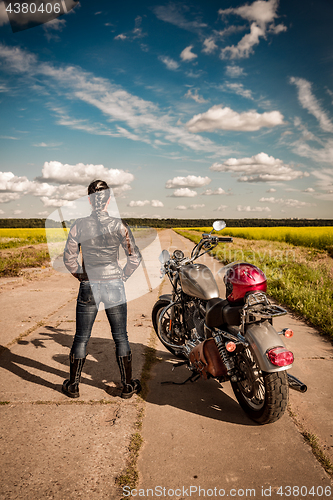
(180,363)
(192,378)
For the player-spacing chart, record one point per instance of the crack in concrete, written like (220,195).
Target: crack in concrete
(34,328)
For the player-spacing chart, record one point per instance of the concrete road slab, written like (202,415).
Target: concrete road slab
(52,446)
(64,451)
(197,435)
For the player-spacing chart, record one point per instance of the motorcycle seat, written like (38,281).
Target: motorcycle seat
(219,312)
(214,312)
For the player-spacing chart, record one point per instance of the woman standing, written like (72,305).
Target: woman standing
(99,237)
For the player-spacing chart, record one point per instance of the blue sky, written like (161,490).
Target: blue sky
(188,109)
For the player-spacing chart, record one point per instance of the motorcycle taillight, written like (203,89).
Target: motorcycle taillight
(280,356)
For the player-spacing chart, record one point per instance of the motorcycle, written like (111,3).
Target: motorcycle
(228,339)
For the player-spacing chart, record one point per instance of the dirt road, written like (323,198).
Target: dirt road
(194,435)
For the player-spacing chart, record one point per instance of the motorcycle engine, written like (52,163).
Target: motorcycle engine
(195,318)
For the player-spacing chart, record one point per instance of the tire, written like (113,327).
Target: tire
(262,395)
(166,335)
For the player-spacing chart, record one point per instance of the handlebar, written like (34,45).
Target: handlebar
(208,241)
(213,237)
(226,239)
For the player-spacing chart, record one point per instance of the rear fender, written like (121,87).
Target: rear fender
(262,337)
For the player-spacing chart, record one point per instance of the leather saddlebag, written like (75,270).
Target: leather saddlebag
(206,359)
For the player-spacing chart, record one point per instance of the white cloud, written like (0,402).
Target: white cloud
(173,13)
(196,97)
(245,47)
(13,187)
(325,179)
(170,63)
(142,203)
(187,55)
(247,208)
(209,45)
(238,88)
(7,197)
(230,30)
(138,203)
(280,28)
(259,168)
(81,174)
(220,118)
(156,203)
(121,36)
(133,34)
(234,71)
(221,208)
(271,190)
(184,193)
(194,207)
(126,133)
(61,184)
(309,190)
(268,200)
(18,212)
(310,103)
(56,202)
(181,207)
(189,181)
(13,184)
(51,28)
(4,87)
(211,192)
(289,202)
(50,145)
(261,14)
(114,103)
(324,154)
(137,31)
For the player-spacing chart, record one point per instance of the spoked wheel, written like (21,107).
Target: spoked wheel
(262,395)
(171,334)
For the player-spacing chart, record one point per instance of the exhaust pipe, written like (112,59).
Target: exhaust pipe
(296,384)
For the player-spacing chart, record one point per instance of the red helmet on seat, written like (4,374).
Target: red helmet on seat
(242,278)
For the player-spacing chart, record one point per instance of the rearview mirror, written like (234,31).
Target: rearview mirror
(164,257)
(218,225)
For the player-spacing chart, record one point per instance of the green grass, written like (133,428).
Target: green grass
(12,263)
(298,278)
(313,237)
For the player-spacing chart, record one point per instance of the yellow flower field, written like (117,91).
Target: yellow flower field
(16,237)
(315,237)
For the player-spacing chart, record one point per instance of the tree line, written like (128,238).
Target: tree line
(169,223)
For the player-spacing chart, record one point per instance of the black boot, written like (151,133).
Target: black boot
(70,387)
(130,386)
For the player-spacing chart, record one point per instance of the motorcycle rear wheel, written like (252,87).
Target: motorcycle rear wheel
(262,395)
(166,335)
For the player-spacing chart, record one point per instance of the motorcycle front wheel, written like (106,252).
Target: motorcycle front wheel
(171,330)
(262,395)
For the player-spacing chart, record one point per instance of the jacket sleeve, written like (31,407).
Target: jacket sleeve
(71,255)
(131,250)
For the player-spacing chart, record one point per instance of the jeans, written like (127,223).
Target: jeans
(91,294)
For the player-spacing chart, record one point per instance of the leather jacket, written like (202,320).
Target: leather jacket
(99,237)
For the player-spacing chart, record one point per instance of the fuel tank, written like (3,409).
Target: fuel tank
(197,280)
